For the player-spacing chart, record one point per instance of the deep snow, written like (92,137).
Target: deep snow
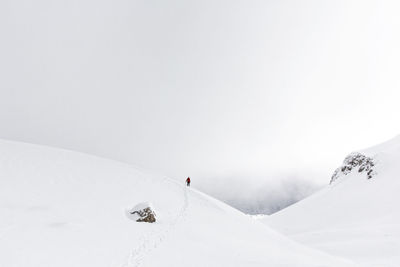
(354,217)
(62,208)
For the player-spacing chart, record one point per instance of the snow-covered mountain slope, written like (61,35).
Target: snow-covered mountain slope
(357,216)
(62,208)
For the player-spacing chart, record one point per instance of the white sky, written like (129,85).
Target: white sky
(202,88)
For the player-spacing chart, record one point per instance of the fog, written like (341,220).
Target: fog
(208,89)
(262,195)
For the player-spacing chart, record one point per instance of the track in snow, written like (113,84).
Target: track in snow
(151,240)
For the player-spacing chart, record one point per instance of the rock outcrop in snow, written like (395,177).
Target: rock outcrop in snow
(143,212)
(355,161)
(356,218)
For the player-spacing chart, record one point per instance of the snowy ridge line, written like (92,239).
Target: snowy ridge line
(38,183)
(152,240)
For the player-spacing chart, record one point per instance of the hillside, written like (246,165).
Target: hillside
(357,215)
(62,208)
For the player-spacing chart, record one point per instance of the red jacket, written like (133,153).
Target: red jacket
(188,180)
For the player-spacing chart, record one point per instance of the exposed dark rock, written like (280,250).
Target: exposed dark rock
(355,161)
(146,215)
(143,212)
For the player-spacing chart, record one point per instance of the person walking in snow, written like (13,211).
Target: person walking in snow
(188,181)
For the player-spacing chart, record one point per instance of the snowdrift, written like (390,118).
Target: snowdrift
(62,208)
(357,216)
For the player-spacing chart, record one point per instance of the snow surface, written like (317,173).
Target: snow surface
(354,217)
(62,208)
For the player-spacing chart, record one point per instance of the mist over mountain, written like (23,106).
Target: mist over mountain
(184,87)
(257,101)
(261,195)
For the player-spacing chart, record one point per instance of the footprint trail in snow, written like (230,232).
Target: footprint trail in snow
(151,240)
